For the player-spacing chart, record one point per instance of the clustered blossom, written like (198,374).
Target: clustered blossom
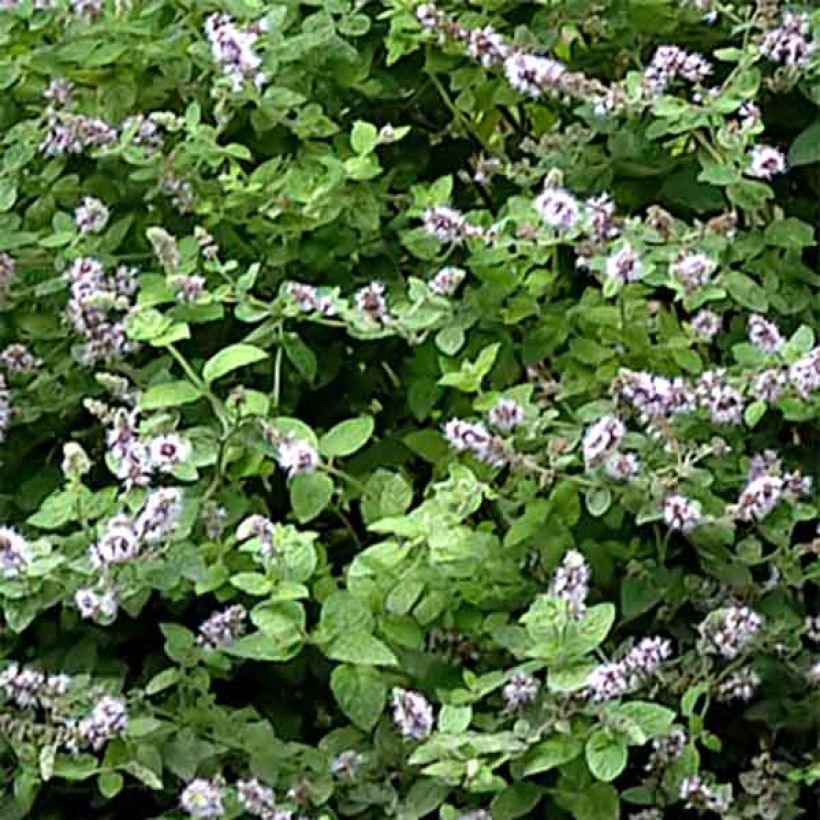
(222,628)
(804,374)
(8,268)
(764,335)
(520,689)
(232,49)
(147,132)
(96,307)
(203,799)
(654,398)
(346,764)
(75,133)
(107,720)
(601,438)
(723,402)
(670,62)
(600,214)
(188,287)
(446,281)
(740,685)
(729,630)
(256,798)
(611,680)
(702,796)
(308,299)
(506,415)
(167,452)
(15,553)
(17,358)
(91,216)
(296,457)
(257,526)
(706,324)
(30,688)
(59,92)
(789,43)
(370,301)
(558,208)
(571,583)
(622,466)
(759,497)
(533,75)
(179,191)
(449,225)
(666,750)
(97,606)
(681,513)
(5,408)
(692,270)
(770,385)
(412,714)
(766,162)
(624,265)
(473,437)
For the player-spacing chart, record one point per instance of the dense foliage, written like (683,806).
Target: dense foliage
(409,410)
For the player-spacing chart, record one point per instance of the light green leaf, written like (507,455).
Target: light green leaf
(346,437)
(360,692)
(606,755)
(231,358)
(169,394)
(310,493)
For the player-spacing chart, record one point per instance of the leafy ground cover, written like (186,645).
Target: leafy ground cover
(409,410)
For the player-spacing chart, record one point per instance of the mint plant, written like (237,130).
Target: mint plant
(407,409)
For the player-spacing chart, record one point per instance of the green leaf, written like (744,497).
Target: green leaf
(346,437)
(231,358)
(364,137)
(469,377)
(555,751)
(169,394)
(361,648)
(585,635)
(805,150)
(454,719)
(110,784)
(254,583)
(310,493)
(162,680)
(745,291)
(261,646)
(606,755)
(517,800)
(653,719)
(360,692)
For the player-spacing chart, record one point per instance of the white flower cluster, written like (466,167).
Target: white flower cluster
(789,43)
(728,631)
(15,553)
(91,215)
(611,680)
(670,62)
(571,583)
(232,49)
(222,628)
(473,437)
(412,714)
(521,688)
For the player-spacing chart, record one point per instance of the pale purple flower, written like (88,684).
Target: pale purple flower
(570,583)
(520,689)
(706,324)
(601,438)
(624,265)
(15,553)
(506,415)
(532,75)
(412,714)
(59,92)
(769,385)
(188,287)
(446,281)
(296,456)
(681,513)
(202,799)
(600,214)
(75,133)
(88,9)
(107,720)
(16,358)
(222,628)
(724,402)
(622,466)
(701,796)
(789,43)
(804,374)
(670,62)
(257,526)
(91,216)
(728,631)
(759,497)
(370,301)
(167,452)
(232,49)
(764,335)
(766,162)
(692,270)
(740,685)
(611,680)
(487,46)
(119,544)
(558,208)
(256,798)
(346,764)
(96,606)
(449,225)
(159,514)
